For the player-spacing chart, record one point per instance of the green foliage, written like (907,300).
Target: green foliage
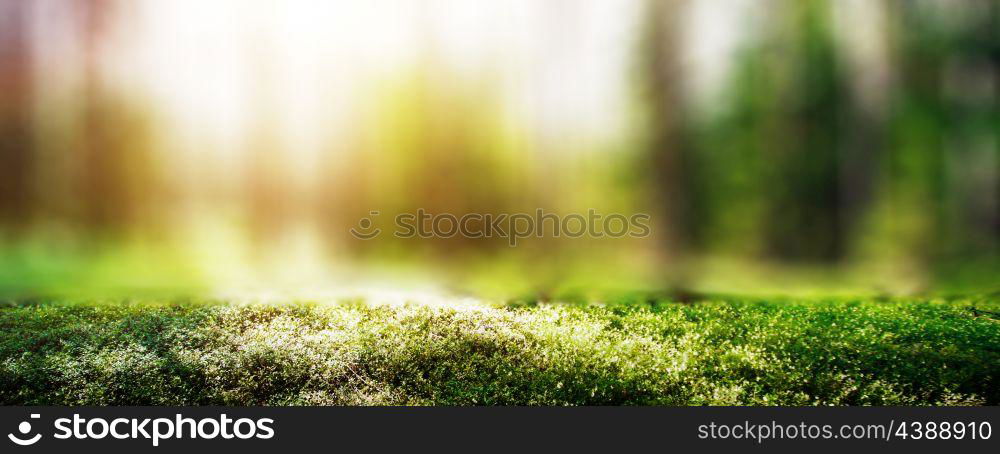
(631,350)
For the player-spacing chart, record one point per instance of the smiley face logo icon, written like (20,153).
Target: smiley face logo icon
(24,428)
(366,229)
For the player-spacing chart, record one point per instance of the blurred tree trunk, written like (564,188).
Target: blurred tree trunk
(806,221)
(864,148)
(271,189)
(116,173)
(979,99)
(994,51)
(787,168)
(945,159)
(102,202)
(16,160)
(668,141)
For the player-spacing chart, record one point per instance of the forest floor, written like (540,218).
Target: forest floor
(635,349)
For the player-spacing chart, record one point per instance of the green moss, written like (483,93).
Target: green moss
(727,352)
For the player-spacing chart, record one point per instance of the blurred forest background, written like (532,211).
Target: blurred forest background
(780,145)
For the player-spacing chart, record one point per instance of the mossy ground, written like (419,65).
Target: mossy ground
(726,351)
